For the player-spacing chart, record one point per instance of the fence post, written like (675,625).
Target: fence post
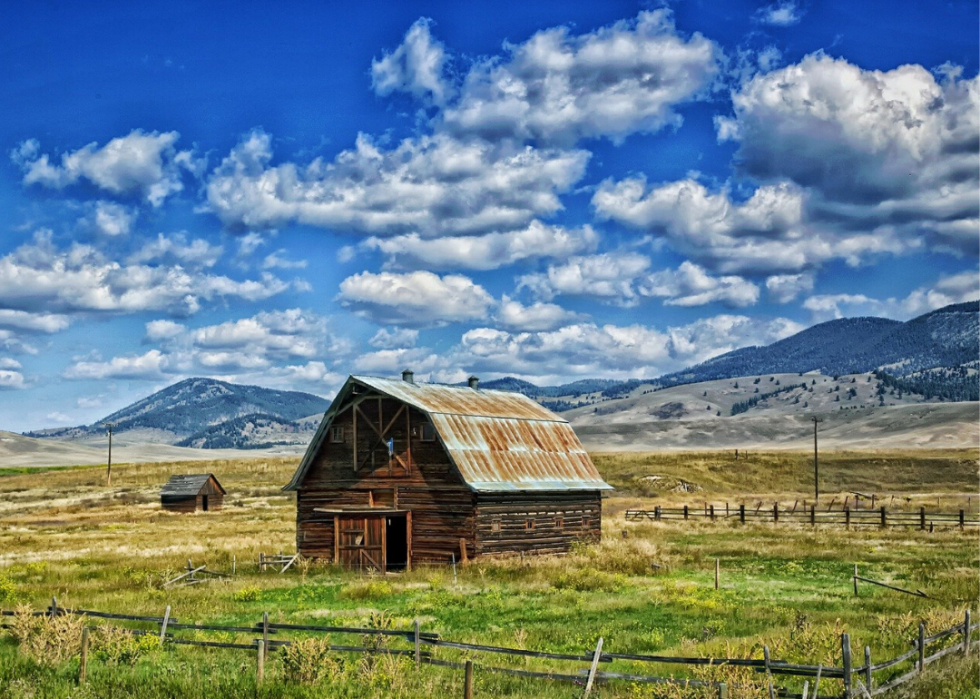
(685,511)
(845,643)
(922,645)
(260,662)
(726,510)
(418,646)
(741,513)
(922,518)
(717,571)
(83,656)
(962,519)
(855,579)
(592,670)
(847,517)
(712,510)
(775,512)
(54,607)
(884,521)
(966,633)
(765,657)
(868,679)
(163,626)
(265,628)
(234,565)
(722,690)
(468,680)
(813,515)
(656,512)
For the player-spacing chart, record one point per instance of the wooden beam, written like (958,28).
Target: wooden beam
(354,411)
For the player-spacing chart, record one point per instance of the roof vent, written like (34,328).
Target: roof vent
(408,375)
(473,382)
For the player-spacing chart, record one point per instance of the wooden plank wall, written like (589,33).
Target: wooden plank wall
(182,504)
(580,515)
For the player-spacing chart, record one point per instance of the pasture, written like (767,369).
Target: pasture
(788,587)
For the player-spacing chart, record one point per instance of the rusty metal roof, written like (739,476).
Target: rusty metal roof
(499,441)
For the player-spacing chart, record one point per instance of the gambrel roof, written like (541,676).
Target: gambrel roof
(498,441)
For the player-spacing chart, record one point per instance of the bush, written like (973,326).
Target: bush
(589,580)
(247,594)
(309,661)
(7,589)
(120,646)
(48,640)
(371,589)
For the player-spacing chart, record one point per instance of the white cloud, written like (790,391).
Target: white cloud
(485,252)
(11,380)
(691,285)
(947,290)
(416,299)
(514,316)
(608,276)
(40,277)
(781,14)
(783,288)
(198,252)
(58,416)
(33,322)
(415,67)
(140,163)
(163,330)
(8,363)
(277,260)
(264,337)
(432,185)
(614,81)
(394,338)
(113,219)
(149,366)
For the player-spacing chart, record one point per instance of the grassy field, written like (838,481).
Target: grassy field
(63,533)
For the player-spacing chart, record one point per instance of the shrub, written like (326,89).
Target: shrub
(589,580)
(370,589)
(247,594)
(48,640)
(309,661)
(7,588)
(120,646)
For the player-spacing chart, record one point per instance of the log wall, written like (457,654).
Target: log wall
(536,522)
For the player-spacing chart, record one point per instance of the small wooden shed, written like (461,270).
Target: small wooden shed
(400,474)
(192,492)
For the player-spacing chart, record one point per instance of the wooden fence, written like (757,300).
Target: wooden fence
(879,517)
(857,680)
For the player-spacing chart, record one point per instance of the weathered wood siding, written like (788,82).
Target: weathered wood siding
(178,504)
(441,504)
(536,522)
(187,504)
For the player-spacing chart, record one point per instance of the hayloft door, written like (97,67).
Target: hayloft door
(360,542)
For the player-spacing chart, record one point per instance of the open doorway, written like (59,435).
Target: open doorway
(396,542)
(204,503)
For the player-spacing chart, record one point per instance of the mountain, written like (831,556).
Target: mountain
(190,407)
(254,431)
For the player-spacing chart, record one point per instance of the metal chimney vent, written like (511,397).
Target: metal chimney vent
(408,375)
(473,382)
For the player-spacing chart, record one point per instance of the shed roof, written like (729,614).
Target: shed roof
(498,441)
(188,485)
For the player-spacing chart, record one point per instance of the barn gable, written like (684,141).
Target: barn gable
(497,441)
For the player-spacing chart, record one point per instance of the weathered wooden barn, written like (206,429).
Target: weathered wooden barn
(401,473)
(192,492)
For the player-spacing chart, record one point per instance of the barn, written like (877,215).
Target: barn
(192,492)
(402,473)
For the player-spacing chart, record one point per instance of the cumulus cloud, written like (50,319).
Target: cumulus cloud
(33,322)
(513,315)
(277,260)
(416,299)
(769,232)
(956,288)
(150,366)
(415,67)
(143,164)
(783,288)
(691,285)
(113,219)
(780,14)
(175,247)
(394,338)
(431,185)
(262,338)
(40,277)
(163,330)
(485,252)
(11,380)
(587,349)
(614,81)
(609,276)
(877,148)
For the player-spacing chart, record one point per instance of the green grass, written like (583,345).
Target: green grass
(784,586)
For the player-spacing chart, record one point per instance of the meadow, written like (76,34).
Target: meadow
(648,587)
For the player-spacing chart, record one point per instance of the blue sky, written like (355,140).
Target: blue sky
(286,193)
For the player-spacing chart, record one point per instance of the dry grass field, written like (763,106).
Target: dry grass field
(64,534)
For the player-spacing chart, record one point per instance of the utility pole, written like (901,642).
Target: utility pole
(816,472)
(108,468)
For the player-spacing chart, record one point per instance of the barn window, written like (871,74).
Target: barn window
(337,435)
(495,526)
(559,523)
(428,433)
(529,525)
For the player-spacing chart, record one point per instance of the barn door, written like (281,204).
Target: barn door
(360,542)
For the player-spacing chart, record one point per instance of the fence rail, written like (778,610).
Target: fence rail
(848,674)
(742,513)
